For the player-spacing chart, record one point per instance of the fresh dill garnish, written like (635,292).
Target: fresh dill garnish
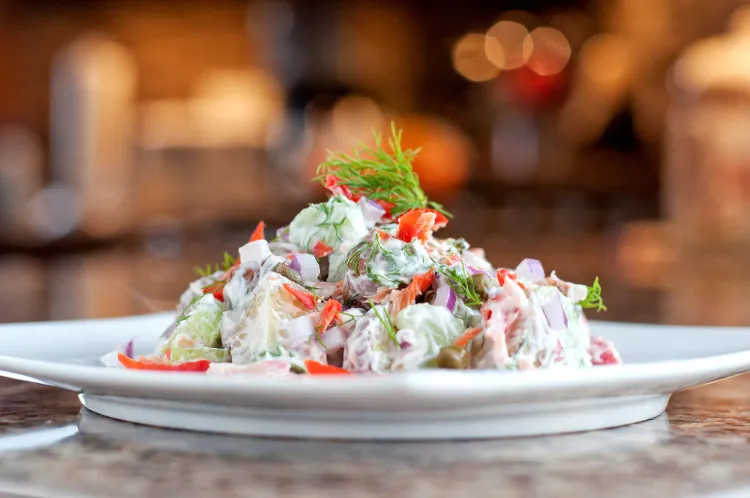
(225,265)
(594,297)
(380,175)
(385,320)
(183,316)
(462,284)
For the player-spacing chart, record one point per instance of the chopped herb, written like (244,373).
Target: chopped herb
(209,270)
(462,284)
(385,320)
(594,297)
(380,175)
(183,316)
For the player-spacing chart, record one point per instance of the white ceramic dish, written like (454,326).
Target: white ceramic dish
(417,405)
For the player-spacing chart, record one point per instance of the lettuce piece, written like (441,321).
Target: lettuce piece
(333,222)
(216,355)
(424,329)
(435,321)
(203,323)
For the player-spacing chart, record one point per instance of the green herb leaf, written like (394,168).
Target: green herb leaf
(209,270)
(462,284)
(385,320)
(380,175)
(184,314)
(594,297)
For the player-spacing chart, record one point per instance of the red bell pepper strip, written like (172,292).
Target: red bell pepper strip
(304,297)
(317,368)
(328,314)
(321,249)
(333,185)
(140,364)
(468,336)
(387,206)
(217,289)
(259,232)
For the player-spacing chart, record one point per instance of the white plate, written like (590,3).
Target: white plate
(416,405)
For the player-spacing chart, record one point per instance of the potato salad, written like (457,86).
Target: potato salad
(363,284)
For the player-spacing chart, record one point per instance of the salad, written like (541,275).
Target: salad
(360,283)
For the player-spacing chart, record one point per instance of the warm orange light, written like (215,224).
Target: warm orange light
(510,39)
(470,61)
(354,117)
(443,161)
(605,59)
(550,51)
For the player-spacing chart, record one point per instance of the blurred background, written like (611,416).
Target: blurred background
(140,139)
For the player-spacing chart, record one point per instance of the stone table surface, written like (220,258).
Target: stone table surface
(49,447)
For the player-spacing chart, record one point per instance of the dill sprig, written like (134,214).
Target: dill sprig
(183,316)
(209,270)
(380,175)
(461,283)
(594,297)
(385,320)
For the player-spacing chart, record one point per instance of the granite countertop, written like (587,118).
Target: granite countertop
(50,447)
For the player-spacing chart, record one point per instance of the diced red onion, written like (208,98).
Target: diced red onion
(308,266)
(444,296)
(530,269)
(299,330)
(294,264)
(283,233)
(473,270)
(474,260)
(128,349)
(555,314)
(372,212)
(334,339)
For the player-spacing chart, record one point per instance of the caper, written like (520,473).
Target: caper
(477,345)
(482,284)
(288,272)
(453,357)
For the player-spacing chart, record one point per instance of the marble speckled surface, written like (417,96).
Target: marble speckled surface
(47,448)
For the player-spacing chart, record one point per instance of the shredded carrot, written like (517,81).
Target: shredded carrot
(259,232)
(304,297)
(465,338)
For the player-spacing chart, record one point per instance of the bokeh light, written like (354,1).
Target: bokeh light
(510,39)
(470,59)
(354,117)
(605,59)
(550,51)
